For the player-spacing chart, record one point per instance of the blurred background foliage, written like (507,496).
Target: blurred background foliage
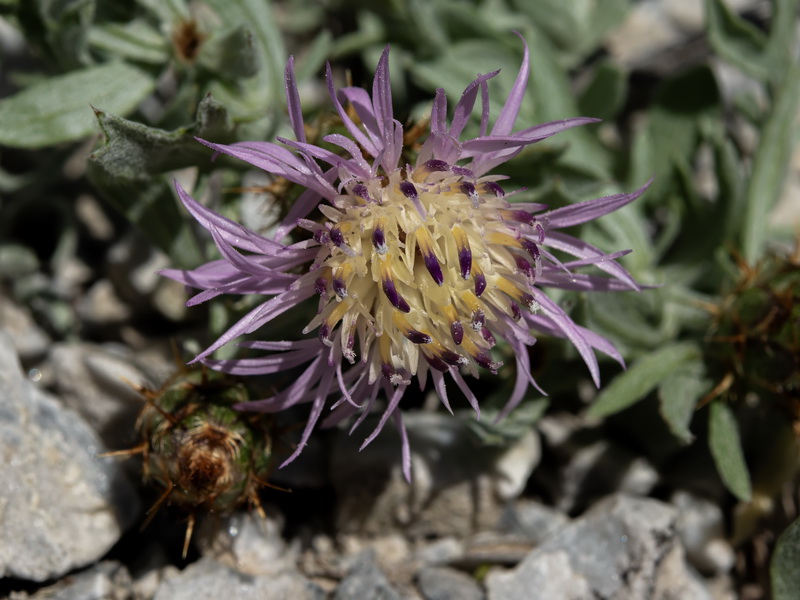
(713,348)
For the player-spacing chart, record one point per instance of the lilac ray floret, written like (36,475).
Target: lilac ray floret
(582,212)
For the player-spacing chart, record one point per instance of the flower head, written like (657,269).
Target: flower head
(419,269)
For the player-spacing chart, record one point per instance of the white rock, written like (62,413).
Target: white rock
(245,542)
(515,465)
(623,549)
(100,383)
(702,529)
(61,507)
(209,580)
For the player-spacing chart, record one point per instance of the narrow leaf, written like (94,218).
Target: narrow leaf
(770,165)
(736,40)
(726,448)
(136,40)
(604,95)
(678,395)
(781,36)
(642,378)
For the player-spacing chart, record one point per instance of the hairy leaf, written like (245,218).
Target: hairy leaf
(678,395)
(770,165)
(60,109)
(784,571)
(726,448)
(642,378)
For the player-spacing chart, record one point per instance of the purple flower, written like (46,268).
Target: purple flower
(417,269)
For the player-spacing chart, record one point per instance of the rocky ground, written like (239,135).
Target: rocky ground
(467,527)
(565,512)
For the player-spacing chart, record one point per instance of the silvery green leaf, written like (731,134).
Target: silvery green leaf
(770,164)
(135,152)
(673,131)
(371,30)
(315,57)
(124,169)
(520,420)
(59,109)
(168,11)
(642,377)
(551,98)
(678,396)
(726,448)
(60,28)
(232,55)
(625,318)
(736,40)
(784,571)
(252,98)
(17,261)
(781,37)
(606,92)
(137,41)
(730,178)
(578,25)
(763,57)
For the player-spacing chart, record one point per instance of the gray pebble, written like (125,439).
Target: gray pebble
(440,583)
(365,580)
(531,519)
(99,383)
(702,529)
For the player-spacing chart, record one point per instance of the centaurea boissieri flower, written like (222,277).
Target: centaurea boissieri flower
(418,269)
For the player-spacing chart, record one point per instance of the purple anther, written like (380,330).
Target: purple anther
(484,360)
(480,284)
(339,287)
(394,297)
(529,302)
(524,266)
(417,337)
(348,349)
(494,187)
(434,268)
(515,312)
(322,236)
(465,261)
(457,331)
(321,285)
(436,362)
(379,241)
(361,191)
(453,358)
(388,371)
(478,320)
(324,332)
(437,165)
(469,190)
(408,190)
(530,247)
(523,217)
(463,172)
(487,335)
(540,231)
(337,237)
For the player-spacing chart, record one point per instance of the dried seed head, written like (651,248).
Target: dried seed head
(205,453)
